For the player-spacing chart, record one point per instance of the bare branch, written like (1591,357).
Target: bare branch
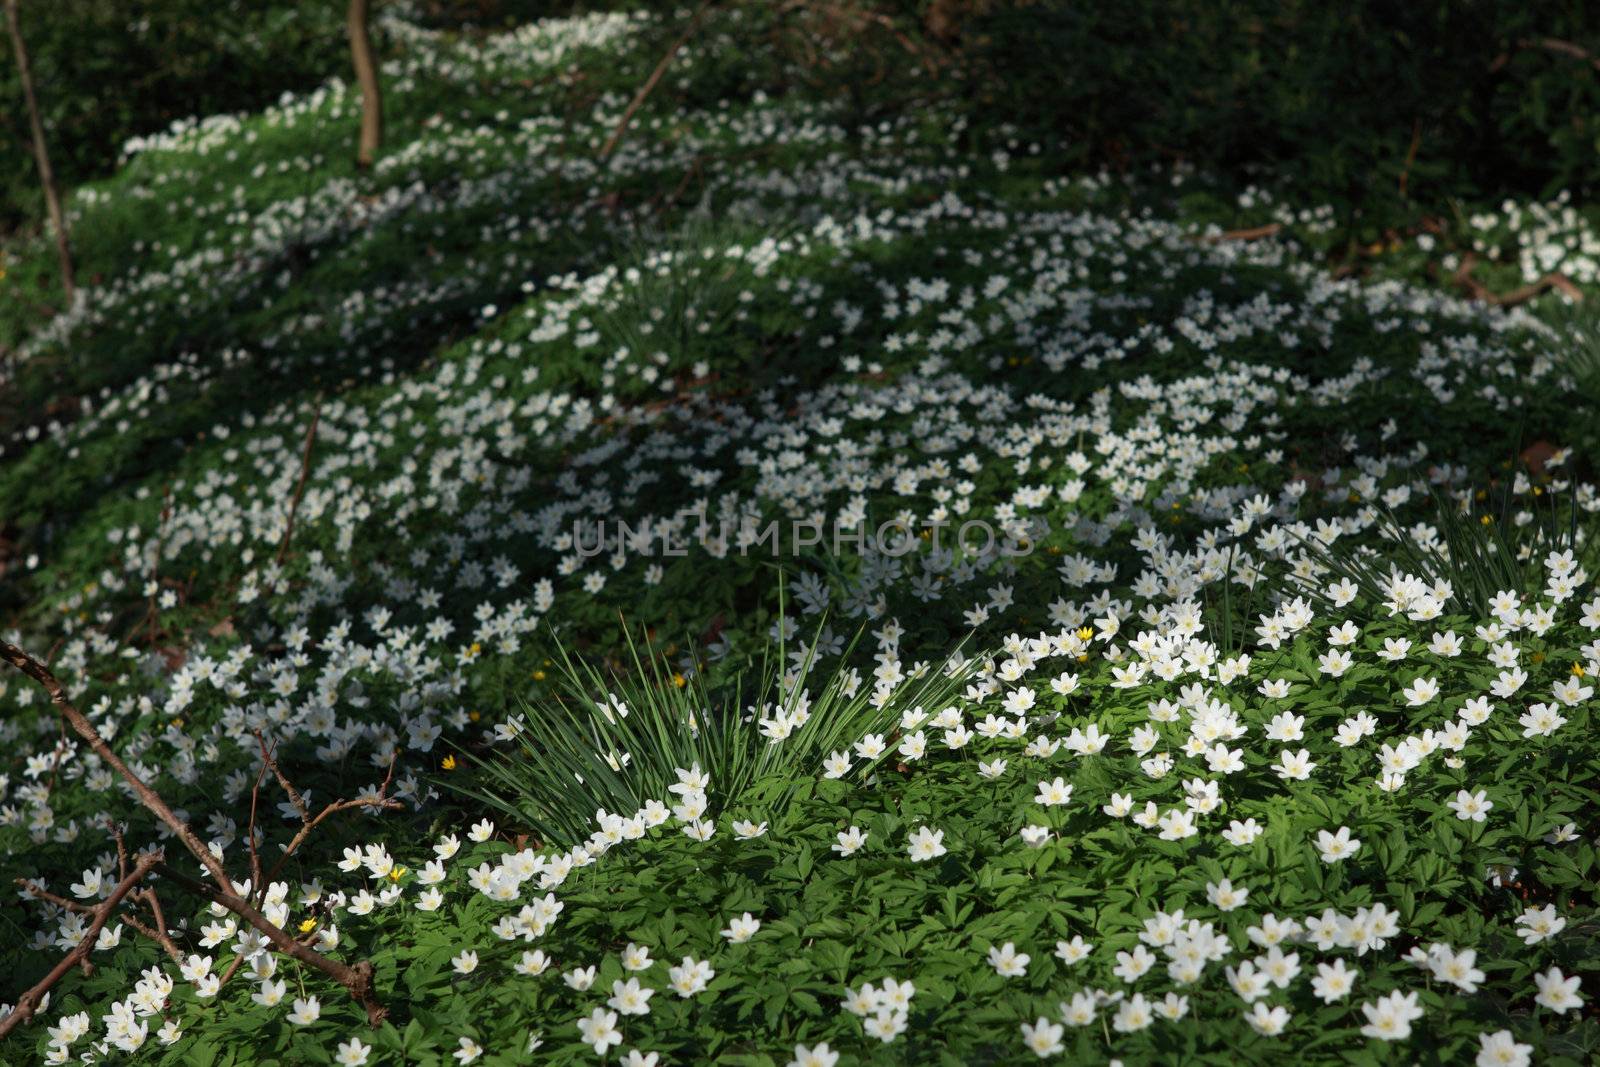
(28,1003)
(356,978)
(41,153)
(651,82)
(300,486)
(381,802)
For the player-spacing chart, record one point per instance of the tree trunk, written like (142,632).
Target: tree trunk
(41,155)
(367,78)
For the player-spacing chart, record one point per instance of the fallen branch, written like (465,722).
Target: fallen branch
(28,1003)
(1545,44)
(1249,233)
(356,978)
(158,932)
(651,82)
(300,486)
(1411,154)
(41,153)
(1521,295)
(308,822)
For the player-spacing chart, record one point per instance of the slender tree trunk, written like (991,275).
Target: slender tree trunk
(41,155)
(367,78)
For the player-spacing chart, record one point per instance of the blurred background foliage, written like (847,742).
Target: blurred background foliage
(1386,111)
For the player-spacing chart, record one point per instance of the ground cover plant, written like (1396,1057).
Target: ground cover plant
(823,583)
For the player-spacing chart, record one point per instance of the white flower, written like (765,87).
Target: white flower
(1334,981)
(1053,793)
(1034,836)
(352,1053)
(1007,961)
(1500,1049)
(1043,1037)
(818,1055)
(925,844)
(1338,845)
(270,993)
(1389,1018)
(1557,992)
(630,998)
(741,929)
(599,1029)
(305,1011)
(1420,692)
(1472,807)
(1224,896)
(849,842)
(1074,951)
(1269,1022)
(1540,923)
(1132,1015)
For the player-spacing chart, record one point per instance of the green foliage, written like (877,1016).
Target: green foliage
(1478,545)
(609,742)
(1324,98)
(109,70)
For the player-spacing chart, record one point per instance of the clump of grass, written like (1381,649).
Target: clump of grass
(1478,542)
(611,740)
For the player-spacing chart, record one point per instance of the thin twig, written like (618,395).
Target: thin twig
(357,978)
(1411,154)
(158,932)
(1546,44)
(300,486)
(29,1001)
(1250,233)
(294,794)
(310,823)
(1521,295)
(650,83)
(250,833)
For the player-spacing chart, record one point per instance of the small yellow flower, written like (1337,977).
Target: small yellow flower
(396,873)
(1486,520)
(308,925)
(679,680)
(1577,670)
(1085,633)
(448,763)
(475,650)
(474,716)
(538,676)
